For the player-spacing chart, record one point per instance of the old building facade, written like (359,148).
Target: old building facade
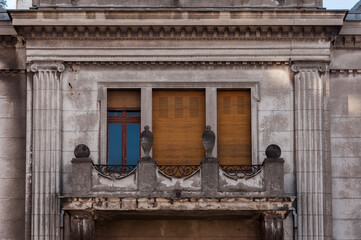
(139,120)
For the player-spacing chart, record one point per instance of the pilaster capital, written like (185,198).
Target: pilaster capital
(309,67)
(274,214)
(46,66)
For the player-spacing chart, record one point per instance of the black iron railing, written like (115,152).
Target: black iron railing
(241,171)
(114,171)
(178,171)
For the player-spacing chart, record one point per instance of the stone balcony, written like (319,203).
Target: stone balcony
(209,189)
(150,180)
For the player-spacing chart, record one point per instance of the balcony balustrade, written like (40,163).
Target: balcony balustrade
(209,179)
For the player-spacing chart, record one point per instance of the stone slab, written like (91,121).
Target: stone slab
(12,127)
(12,107)
(346,167)
(12,229)
(346,209)
(12,168)
(346,147)
(12,209)
(345,59)
(12,147)
(346,229)
(12,188)
(346,188)
(346,127)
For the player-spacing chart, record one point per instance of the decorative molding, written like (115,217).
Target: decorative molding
(345,71)
(241,171)
(177,32)
(43,66)
(182,63)
(280,204)
(114,172)
(178,171)
(12,71)
(347,41)
(309,67)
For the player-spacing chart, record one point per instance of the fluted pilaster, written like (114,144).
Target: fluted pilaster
(311,150)
(46,150)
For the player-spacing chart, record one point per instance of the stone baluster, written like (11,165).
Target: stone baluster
(46,150)
(312,159)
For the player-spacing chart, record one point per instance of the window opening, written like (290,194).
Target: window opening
(178,124)
(123,127)
(234,127)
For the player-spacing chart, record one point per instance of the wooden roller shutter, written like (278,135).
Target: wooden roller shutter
(129,98)
(178,124)
(234,127)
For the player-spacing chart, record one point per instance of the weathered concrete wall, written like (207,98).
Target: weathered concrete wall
(346,153)
(184,3)
(12,155)
(173,228)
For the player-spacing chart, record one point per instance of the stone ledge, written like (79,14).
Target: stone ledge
(180,3)
(104,17)
(178,204)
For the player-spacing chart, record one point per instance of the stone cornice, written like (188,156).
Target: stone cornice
(46,66)
(347,41)
(177,17)
(177,32)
